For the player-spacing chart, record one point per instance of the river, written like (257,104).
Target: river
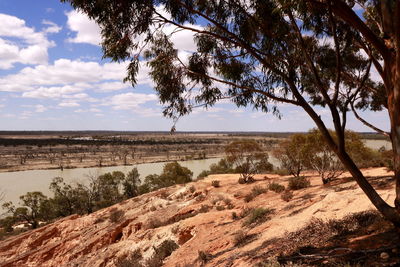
(15,184)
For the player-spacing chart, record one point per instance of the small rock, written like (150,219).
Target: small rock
(384,256)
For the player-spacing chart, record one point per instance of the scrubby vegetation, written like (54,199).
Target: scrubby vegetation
(255,191)
(257,216)
(296,183)
(84,198)
(276,187)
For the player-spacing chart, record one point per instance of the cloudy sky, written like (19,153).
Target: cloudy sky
(52,77)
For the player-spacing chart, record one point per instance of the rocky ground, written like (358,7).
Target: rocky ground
(218,226)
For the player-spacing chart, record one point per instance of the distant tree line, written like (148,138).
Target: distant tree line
(63,141)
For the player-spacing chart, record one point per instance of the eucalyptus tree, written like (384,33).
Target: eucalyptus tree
(313,54)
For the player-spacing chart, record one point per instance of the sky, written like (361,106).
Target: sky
(53,77)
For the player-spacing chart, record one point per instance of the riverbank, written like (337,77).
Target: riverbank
(48,152)
(94,164)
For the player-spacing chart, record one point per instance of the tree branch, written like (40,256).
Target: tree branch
(376,129)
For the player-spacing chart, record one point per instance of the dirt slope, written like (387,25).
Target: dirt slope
(197,216)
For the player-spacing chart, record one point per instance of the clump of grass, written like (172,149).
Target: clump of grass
(215,183)
(277,188)
(204,209)
(296,183)
(116,215)
(255,191)
(220,207)
(287,195)
(130,260)
(257,216)
(241,238)
(153,208)
(153,223)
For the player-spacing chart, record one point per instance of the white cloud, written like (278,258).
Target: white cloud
(40,108)
(22,44)
(69,104)
(131,100)
(52,92)
(52,27)
(87,31)
(112,86)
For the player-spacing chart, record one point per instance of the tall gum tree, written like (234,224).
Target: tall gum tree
(314,54)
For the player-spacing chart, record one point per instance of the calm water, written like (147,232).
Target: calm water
(15,184)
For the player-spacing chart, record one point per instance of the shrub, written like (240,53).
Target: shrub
(258,215)
(296,183)
(240,238)
(116,215)
(215,183)
(203,174)
(287,195)
(131,260)
(220,207)
(154,223)
(204,256)
(277,188)
(249,197)
(241,180)
(234,216)
(258,190)
(192,189)
(204,209)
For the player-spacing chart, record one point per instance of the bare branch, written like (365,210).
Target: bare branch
(376,129)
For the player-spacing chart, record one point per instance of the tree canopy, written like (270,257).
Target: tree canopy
(314,54)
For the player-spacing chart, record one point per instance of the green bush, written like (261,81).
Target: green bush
(255,191)
(277,188)
(257,216)
(296,183)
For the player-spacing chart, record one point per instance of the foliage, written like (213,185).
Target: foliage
(255,191)
(132,260)
(247,156)
(241,238)
(215,183)
(173,173)
(321,158)
(277,188)
(35,207)
(257,216)
(130,183)
(116,215)
(264,53)
(292,154)
(223,166)
(296,183)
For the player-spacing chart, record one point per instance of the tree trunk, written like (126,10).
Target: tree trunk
(394,113)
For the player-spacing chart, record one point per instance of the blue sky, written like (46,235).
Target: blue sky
(52,77)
